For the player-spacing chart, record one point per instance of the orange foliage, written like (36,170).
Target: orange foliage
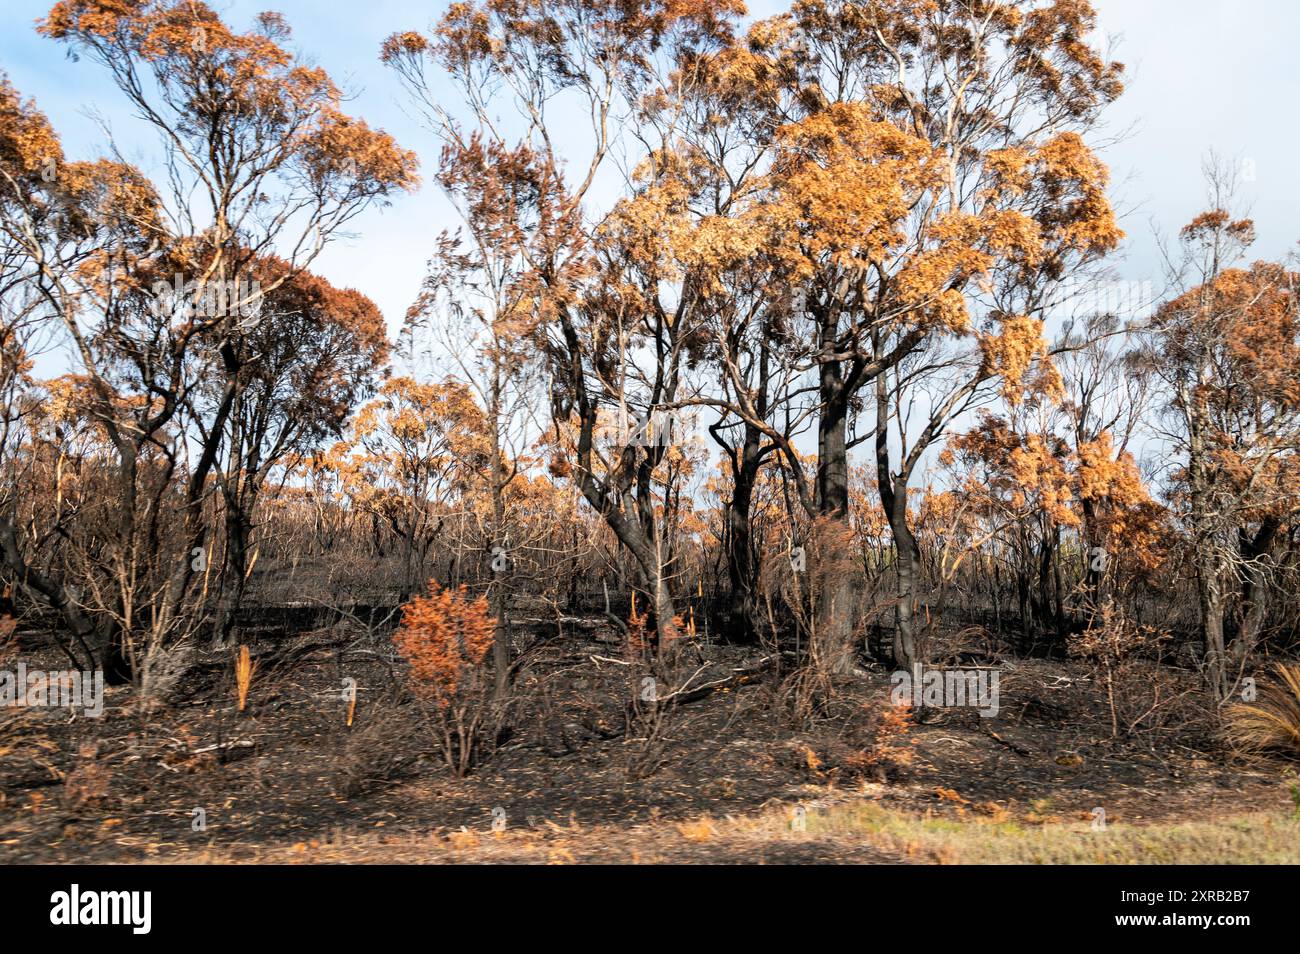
(443,637)
(217,77)
(1235,341)
(1012,352)
(1018,476)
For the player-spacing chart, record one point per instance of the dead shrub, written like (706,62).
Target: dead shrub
(806,696)
(87,784)
(881,749)
(160,670)
(873,747)
(444,639)
(374,748)
(655,681)
(818,589)
(1140,695)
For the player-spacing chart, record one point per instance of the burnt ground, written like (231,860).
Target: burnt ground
(289,776)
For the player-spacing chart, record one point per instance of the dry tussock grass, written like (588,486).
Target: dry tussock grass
(1273,723)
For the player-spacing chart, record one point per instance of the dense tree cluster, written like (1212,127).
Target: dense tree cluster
(754,330)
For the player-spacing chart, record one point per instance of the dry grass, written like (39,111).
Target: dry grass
(854,831)
(1256,838)
(1273,724)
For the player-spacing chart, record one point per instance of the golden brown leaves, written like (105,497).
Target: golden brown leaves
(1207,225)
(78,200)
(1011,352)
(405,43)
(27,140)
(1082,219)
(1093,488)
(845,182)
(563,38)
(1232,345)
(357,157)
(247,87)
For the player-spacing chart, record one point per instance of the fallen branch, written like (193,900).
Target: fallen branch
(239,744)
(742,675)
(1018,749)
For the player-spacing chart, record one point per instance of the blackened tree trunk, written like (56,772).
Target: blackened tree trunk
(835,597)
(742,561)
(502,558)
(1255,555)
(907,566)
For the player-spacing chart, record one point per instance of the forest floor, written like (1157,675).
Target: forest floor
(727,778)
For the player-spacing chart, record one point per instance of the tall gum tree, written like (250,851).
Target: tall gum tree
(613,341)
(58,217)
(260,159)
(316,352)
(1227,351)
(477,293)
(930,179)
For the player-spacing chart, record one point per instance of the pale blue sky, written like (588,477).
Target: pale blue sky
(1203,74)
